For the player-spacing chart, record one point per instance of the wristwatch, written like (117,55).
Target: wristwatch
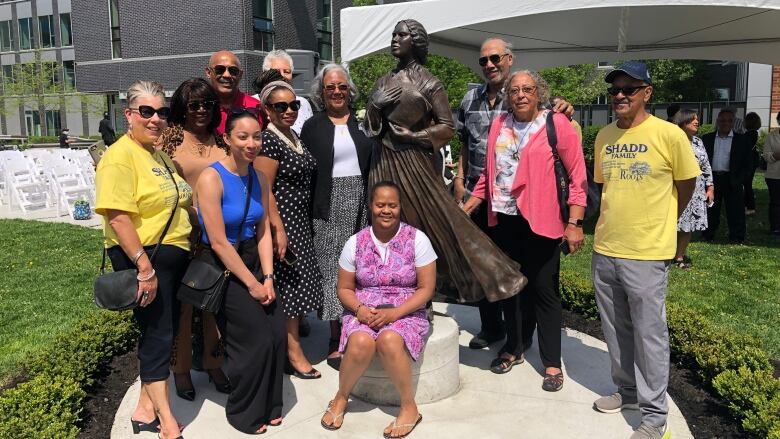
(575,223)
(269,276)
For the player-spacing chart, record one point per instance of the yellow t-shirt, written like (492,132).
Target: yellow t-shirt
(130,179)
(638,167)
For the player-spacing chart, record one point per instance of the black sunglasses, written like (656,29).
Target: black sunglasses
(281,107)
(627,91)
(147,112)
(495,59)
(219,70)
(194,106)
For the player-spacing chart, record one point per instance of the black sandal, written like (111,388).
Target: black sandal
(501,365)
(680,263)
(552,382)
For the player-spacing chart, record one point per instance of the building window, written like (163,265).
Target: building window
(33,121)
(8,76)
(66,33)
(324,30)
(46,31)
(25,34)
(69,74)
(262,25)
(116,36)
(6,40)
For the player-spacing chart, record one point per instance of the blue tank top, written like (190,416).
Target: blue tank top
(233,200)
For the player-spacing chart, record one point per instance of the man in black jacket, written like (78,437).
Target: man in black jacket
(729,156)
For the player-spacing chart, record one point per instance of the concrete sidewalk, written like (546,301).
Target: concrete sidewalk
(487,406)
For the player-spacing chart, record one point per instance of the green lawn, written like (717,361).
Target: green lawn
(735,286)
(45,286)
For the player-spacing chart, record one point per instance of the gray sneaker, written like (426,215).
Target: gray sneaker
(614,403)
(646,431)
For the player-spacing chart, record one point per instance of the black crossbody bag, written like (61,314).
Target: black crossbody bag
(561,175)
(203,285)
(116,291)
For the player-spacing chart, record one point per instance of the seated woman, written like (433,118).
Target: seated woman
(387,274)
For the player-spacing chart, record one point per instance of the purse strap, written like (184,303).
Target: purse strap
(165,229)
(250,178)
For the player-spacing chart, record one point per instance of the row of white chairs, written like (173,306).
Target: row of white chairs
(43,178)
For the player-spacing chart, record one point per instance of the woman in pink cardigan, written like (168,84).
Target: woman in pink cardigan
(519,186)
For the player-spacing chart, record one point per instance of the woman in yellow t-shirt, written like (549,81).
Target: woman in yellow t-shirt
(137,189)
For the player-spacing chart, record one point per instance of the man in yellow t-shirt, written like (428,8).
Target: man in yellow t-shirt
(648,171)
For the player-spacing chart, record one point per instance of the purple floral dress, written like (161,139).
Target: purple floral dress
(393,282)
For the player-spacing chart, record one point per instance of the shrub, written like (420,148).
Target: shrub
(44,407)
(577,295)
(43,139)
(589,141)
(755,396)
(705,129)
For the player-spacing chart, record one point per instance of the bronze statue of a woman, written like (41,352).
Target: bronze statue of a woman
(409,115)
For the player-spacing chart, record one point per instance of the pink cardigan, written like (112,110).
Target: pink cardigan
(534,186)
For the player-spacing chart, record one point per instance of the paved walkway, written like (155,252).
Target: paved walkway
(487,405)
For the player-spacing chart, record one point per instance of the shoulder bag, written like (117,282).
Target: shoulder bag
(203,285)
(561,175)
(117,291)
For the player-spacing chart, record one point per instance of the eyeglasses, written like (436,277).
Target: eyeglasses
(527,90)
(281,107)
(627,91)
(495,59)
(330,88)
(147,112)
(219,70)
(193,106)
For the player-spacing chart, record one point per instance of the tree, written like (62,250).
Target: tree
(578,84)
(676,80)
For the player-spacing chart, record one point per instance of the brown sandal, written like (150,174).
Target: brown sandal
(332,426)
(552,382)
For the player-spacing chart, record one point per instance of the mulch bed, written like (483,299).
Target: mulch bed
(707,416)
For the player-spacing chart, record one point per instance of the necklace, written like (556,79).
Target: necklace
(196,142)
(294,144)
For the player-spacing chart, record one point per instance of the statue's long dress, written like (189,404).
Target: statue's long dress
(470,266)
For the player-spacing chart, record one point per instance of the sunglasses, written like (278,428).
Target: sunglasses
(528,90)
(194,106)
(219,70)
(330,88)
(147,112)
(495,59)
(627,91)
(281,107)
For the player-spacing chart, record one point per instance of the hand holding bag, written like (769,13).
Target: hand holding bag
(116,291)
(203,285)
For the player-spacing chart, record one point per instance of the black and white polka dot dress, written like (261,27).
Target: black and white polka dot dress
(300,285)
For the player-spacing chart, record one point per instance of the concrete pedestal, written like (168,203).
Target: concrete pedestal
(435,374)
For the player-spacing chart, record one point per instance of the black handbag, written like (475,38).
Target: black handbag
(203,285)
(117,291)
(561,175)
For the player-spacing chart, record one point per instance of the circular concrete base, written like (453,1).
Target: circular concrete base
(435,374)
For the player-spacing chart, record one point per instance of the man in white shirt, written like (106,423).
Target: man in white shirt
(729,155)
(282,61)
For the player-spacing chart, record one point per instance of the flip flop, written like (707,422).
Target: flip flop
(413,426)
(332,425)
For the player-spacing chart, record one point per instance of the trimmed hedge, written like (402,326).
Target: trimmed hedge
(735,366)
(49,404)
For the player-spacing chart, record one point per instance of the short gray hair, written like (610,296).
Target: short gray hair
(684,117)
(144,88)
(277,54)
(507,45)
(317,87)
(542,89)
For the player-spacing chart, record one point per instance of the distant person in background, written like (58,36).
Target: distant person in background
(282,61)
(729,155)
(106,130)
(65,140)
(671,111)
(772,176)
(694,218)
(752,125)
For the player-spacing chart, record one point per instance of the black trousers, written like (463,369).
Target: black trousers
(540,300)
(773,184)
(731,194)
(159,320)
(255,339)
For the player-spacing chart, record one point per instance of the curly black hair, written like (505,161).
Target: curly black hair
(419,39)
(194,89)
(266,78)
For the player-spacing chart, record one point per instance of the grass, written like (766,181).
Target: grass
(45,286)
(736,286)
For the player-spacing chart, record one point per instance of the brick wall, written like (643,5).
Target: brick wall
(775,101)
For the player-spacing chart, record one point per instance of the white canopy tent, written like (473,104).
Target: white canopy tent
(547,34)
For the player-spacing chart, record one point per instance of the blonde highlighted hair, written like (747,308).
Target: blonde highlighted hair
(144,88)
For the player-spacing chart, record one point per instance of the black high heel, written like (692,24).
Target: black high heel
(139,426)
(188,394)
(313,374)
(221,388)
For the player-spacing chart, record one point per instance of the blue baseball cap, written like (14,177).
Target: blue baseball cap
(635,69)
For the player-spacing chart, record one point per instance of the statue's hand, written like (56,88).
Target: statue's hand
(401,134)
(383,97)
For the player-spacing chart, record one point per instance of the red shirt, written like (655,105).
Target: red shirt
(245,101)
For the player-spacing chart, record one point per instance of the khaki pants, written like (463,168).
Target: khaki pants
(181,361)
